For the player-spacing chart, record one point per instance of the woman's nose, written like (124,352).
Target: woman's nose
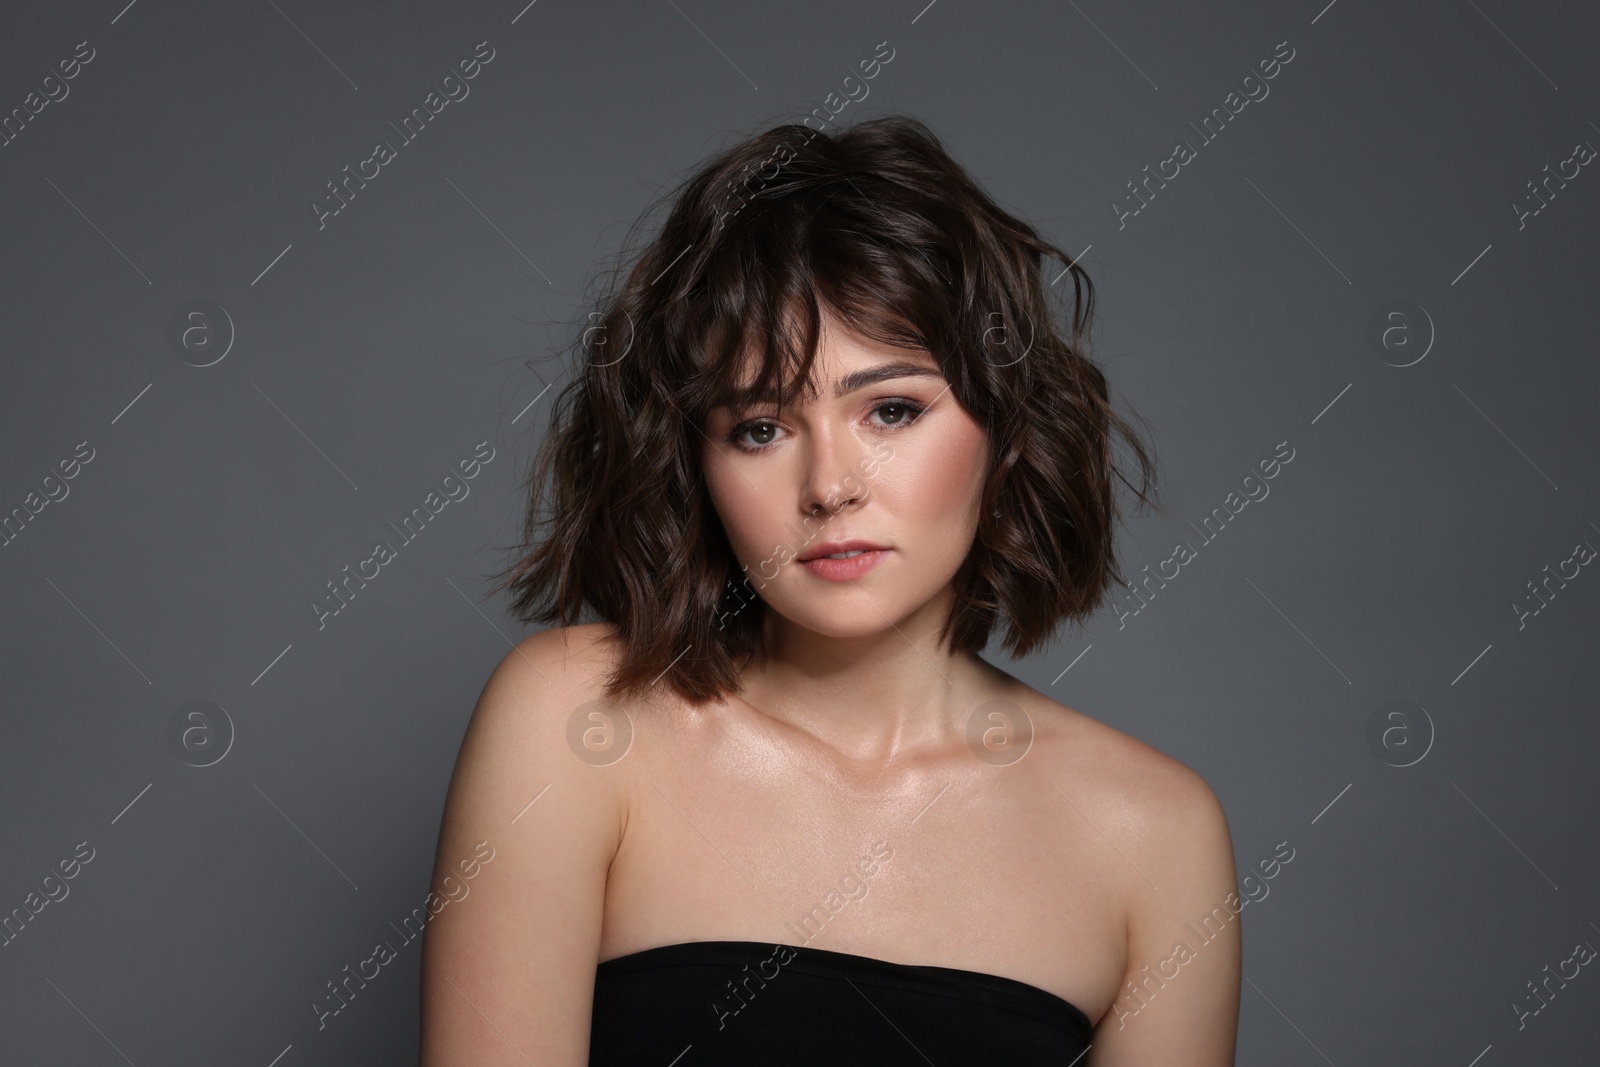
(832,480)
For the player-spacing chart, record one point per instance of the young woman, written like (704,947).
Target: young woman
(770,805)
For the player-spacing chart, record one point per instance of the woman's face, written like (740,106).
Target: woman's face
(882,455)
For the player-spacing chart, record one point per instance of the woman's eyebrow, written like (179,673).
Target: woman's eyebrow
(883,372)
(850,382)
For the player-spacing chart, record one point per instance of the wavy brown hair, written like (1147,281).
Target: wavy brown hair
(882,225)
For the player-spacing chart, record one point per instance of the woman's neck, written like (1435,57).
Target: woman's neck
(872,698)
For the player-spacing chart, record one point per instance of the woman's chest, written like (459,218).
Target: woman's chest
(977,868)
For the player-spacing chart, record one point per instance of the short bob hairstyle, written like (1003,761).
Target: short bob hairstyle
(881,224)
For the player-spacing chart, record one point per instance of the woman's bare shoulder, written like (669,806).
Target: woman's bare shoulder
(522,724)
(587,645)
(1165,822)
(562,664)
(526,787)
(1117,770)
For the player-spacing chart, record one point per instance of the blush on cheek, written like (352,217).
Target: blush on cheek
(947,477)
(937,484)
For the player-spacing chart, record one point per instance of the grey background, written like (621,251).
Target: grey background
(1234,310)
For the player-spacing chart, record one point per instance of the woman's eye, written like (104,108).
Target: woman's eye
(898,413)
(752,435)
(756,434)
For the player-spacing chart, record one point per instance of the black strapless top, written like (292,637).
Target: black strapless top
(745,1002)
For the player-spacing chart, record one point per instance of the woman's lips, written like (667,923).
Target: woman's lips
(844,570)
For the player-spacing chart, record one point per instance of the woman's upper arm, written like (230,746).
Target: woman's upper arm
(1179,1001)
(508,961)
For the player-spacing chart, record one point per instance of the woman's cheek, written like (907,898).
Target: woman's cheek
(740,507)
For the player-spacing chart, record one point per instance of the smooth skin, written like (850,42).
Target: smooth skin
(1077,868)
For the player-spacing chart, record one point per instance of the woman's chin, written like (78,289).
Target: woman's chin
(857,620)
